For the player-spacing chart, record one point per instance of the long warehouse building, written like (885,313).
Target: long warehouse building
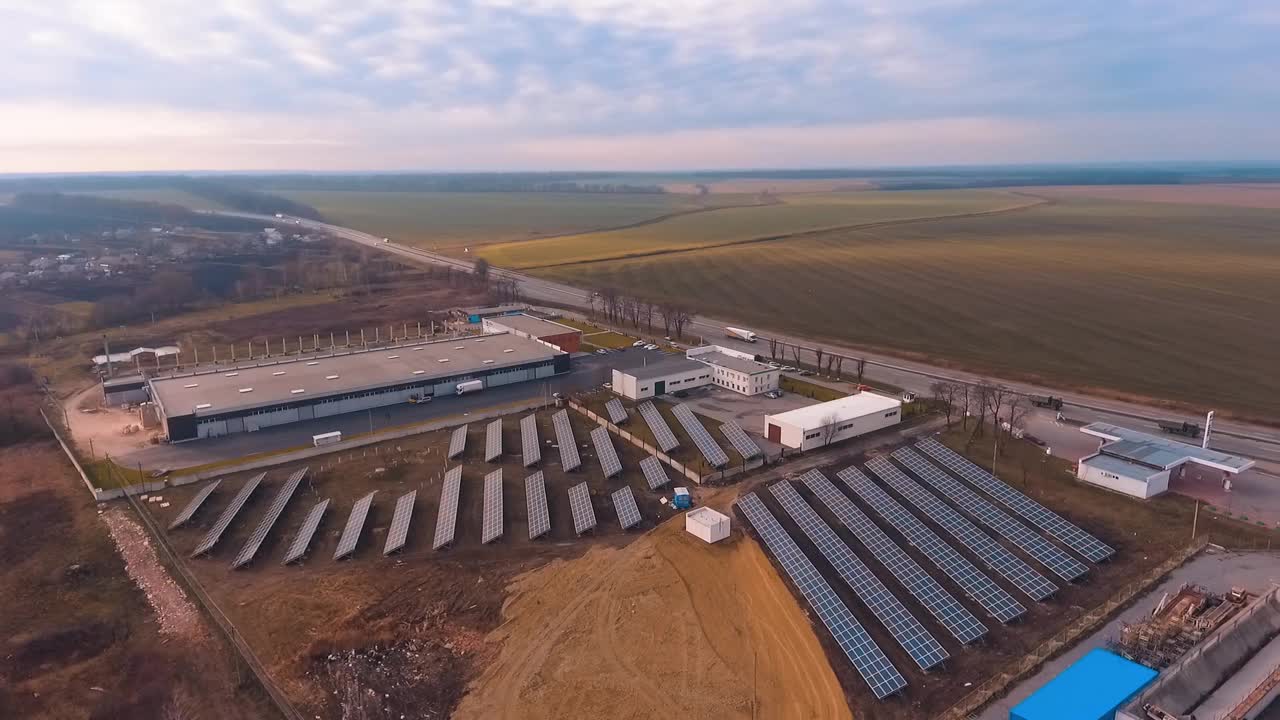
(247,398)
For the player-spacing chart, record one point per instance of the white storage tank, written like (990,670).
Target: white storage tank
(707,524)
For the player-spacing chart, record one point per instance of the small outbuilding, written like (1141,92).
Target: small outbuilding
(1094,688)
(813,426)
(707,524)
(1142,465)
(659,374)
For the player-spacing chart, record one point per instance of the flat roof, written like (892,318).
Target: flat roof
(845,408)
(1122,467)
(1091,689)
(660,364)
(706,517)
(742,365)
(532,325)
(1161,451)
(494,310)
(318,376)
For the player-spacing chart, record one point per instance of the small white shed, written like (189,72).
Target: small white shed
(707,524)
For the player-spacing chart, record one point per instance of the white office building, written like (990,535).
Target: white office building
(659,375)
(735,370)
(812,427)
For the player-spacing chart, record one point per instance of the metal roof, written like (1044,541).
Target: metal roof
(1094,687)
(1121,467)
(742,365)
(1160,451)
(835,411)
(659,365)
(536,327)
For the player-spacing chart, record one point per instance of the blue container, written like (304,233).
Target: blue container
(1094,688)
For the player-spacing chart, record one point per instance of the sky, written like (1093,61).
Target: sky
(331,85)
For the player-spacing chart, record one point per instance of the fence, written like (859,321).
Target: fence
(676,465)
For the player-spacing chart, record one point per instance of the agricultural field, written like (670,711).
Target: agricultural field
(1257,195)
(168,196)
(1151,300)
(802,213)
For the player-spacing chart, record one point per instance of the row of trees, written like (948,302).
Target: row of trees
(637,311)
(1007,409)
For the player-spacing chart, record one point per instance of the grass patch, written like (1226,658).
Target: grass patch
(809,390)
(107,475)
(609,340)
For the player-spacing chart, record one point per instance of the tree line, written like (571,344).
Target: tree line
(620,309)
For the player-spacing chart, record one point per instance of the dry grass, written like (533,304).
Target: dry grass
(1240,195)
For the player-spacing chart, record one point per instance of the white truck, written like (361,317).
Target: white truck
(470,386)
(328,438)
(740,334)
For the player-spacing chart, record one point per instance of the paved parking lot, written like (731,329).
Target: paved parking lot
(724,405)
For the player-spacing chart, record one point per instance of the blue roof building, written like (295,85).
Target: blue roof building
(1094,688)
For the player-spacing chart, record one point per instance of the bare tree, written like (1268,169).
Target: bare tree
(982,393)
(480,269)
(829,427)
(862,367)
(680,317)
(945,393)
(646,311)
(667,311)
(795,354)
(1017,409)
(839,366)
(609,296)
(817,353)
(773,348)
(997,398)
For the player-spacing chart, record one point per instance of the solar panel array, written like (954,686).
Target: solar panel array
(189,511)
(654,473)
(268,520)
(355,525)
(1058,562)
(919,643)
(975,583)
(306,531)
(740,440)
(867,657)
(493,440)
(398,535)
(945,609)
(707,445)
(606,453)
(447,516)
(224,520)
(990,552)
(458,441)
(625,503)
(535,493)
(491,528)
(584,516)
(530,447)
(1040,516)
(658,426)
(617,413)
(569,459)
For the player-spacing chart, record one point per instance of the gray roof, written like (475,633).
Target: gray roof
(536,327)
(319,376)
(1161,451)
(1121,467)
(660,366)
(742,365)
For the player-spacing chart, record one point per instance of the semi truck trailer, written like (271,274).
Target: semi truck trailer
(740,334)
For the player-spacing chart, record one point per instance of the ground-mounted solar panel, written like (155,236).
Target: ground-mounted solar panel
(1044,552)
(302,541)
(953,616)
(189,511)
(654,473)
(355,525)
(491,527)
(530,448)
(220,525)
(535,493)
(975,583)
(617,413)
(605,452)
(268,520)
(707,445)
(569,458)
(1090,547)
(447,515)
(991,553)
(658,426)
(867,657)
(584,516)
(398,535)
(493,441)
(624,502)
(740,440)
(914,638)
(458,441)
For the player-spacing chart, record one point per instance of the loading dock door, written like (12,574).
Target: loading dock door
(660,387)
(775,433)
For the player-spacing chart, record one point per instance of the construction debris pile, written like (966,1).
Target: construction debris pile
(1177,624)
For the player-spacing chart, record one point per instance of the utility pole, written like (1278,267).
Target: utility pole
(106,350)
(1194,519)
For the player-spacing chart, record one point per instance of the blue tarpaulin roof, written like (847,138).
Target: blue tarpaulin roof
(1091,689)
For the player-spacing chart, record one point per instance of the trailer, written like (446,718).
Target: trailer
(1186,429)
(470,386)
(740,334)
(1046,401)
(328,438)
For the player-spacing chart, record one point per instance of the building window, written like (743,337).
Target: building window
(813,435)
(891,414)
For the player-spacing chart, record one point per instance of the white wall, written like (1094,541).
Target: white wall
(629,387)
(1131,486)
(794,436)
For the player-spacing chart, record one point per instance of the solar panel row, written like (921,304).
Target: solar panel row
(355,525)
(302,540)
(867,657)
(654,473)
(491,527)
(535,493)
(569,459)
(398,535)
(707,445)
(277,506)
(740,440)
(458,441)
(658,426)
(224,520)
(531,449)
(617,413)
(493,440)
(624,502)
(447,515)
(190,510)
(584,516)
(605,452)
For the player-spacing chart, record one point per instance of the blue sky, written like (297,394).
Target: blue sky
(632,84)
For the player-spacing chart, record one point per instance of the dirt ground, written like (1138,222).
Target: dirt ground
(1232,195)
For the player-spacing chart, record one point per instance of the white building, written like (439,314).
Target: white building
(707,524)
(659,375)
(830,422)
(735,370)
(1141,465)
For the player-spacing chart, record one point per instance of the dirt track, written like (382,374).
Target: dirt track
(666,626)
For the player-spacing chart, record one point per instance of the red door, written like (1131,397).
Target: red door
(775,433)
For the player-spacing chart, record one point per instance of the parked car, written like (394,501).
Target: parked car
(650,346)
(602,351)
(806,373)
(608,386)
(638,343)
(773,394)
(787,368)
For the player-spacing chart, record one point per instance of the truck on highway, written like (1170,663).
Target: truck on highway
(740,334)
(1046,401)
(470,386)
(1186,429)
(328,438)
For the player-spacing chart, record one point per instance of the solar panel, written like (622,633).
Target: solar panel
(491,529)
(224,520)
(945,609)
(493,441)
(1042,517)
(867,657)
(975,583)
(658,426)
(355,524)
(458,442)
(990,552)
(398,535)
(569,459)
(531,449)
(617,413)
(268,520)
(447,517)
(605,452)
(654,473)
(584,516)
(707,445)
(1058,562)
(535,493)
(190,510)
(740,440)
(923,648)
(302,540)
(625,503)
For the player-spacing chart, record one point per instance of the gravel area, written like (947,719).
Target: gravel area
(177,615)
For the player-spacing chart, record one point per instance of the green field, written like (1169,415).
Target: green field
(795,214)
(169,196)
(1156,300)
